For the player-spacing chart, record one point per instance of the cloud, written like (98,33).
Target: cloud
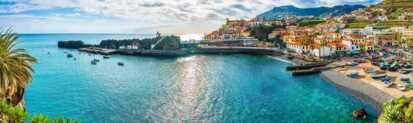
(150,13)
(240,7)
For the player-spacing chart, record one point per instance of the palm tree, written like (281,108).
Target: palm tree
(15,68)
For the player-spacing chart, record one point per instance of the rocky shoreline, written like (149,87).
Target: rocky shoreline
(365,92)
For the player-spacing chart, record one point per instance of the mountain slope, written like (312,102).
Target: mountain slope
(279,12)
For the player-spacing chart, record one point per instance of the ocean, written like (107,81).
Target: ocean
(196,88)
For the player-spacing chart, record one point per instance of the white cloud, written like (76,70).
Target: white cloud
(164,15)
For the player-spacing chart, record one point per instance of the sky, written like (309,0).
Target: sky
(138,16)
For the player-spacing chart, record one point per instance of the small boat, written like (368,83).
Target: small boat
(121,64)
(377,76)
(386,78)
(406,70)
(405,79)
(97,60)
(375,63)
(409,86)
(94,61)
(403,89)
(407,66)
(69,55)
(388,84)
(353,64)
(353,75)
(106,57)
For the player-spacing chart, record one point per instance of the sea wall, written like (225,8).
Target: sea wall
(172,53)
(365,92)
(238,50)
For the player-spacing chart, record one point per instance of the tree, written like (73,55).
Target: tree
(262,31)
(15,68)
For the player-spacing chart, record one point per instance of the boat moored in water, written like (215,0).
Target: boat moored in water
(106,57)
(69,55)
(94,61)
(121,63)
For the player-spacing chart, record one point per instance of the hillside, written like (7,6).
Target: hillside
(282,11)
(388,13)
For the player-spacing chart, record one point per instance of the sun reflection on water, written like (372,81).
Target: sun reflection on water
(187,103)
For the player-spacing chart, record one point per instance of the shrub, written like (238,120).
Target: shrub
(398,111)
(13,114)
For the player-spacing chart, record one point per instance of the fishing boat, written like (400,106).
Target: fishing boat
(386,78)
(388,84)
(407,70)
(94,61)
(69,55)
(378,76)
(353,75)
(405,79)
(121,64)
(384,66)
(402,88)
(106,57)
(394,67)
(375,63)
(409,86)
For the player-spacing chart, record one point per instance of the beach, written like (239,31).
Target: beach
(370,90)
(364,90)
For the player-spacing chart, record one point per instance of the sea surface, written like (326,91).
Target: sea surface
(197,88)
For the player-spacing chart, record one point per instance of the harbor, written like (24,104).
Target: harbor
(244,83)
(198,49)
(211,61)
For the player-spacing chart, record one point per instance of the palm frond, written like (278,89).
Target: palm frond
(15,64)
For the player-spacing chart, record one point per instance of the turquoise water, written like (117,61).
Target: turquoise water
(198,88)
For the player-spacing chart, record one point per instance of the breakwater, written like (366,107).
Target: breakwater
(153,52)
(238,50)
(366,92)
(177,52)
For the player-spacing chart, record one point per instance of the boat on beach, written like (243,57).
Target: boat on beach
(353,74)
(377,76)
(388,84)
